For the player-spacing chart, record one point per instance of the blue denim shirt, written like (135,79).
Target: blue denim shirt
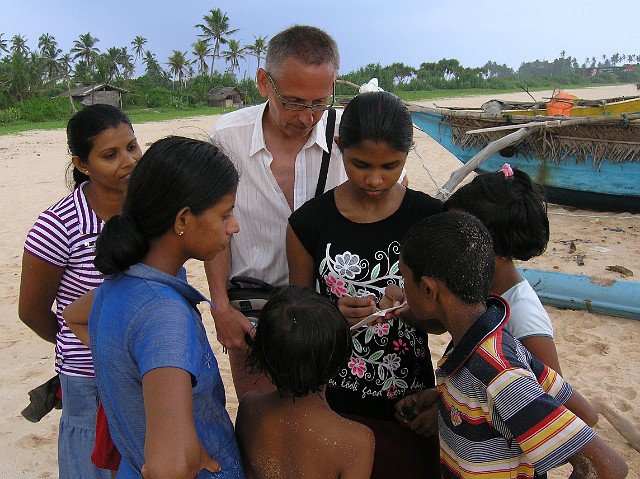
(144,319)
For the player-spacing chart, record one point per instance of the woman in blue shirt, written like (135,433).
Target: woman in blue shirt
(157,376)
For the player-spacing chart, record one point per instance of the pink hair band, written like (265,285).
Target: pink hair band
(506,169)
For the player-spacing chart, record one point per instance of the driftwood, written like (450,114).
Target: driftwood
(620,424)
(547,124)
(492,148)
(347,82)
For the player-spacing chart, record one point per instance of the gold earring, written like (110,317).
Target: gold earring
(181,233)
(86,172)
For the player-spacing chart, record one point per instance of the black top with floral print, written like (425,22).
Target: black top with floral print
(389,360)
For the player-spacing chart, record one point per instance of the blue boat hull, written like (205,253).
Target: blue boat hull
(580,292)
(605,187)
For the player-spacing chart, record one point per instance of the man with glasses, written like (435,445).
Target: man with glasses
(278,147)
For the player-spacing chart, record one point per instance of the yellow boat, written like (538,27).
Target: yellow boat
(564,104)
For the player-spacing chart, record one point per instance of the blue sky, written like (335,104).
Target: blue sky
(408,31)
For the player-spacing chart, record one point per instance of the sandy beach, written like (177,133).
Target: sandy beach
(599,354)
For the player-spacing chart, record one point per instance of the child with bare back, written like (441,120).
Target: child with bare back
(301,342)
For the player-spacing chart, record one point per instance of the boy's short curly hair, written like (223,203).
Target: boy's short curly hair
(452,247)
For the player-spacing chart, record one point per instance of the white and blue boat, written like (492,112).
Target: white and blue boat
(580,292)
(590,163)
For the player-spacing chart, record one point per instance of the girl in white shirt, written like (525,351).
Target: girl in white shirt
(514,210)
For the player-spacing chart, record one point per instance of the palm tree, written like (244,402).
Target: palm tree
(65,70)
(150,61)
(36,71)
(82,73)
(201,50)
(112,58)
(85,48)
(50,51)
(19,83)
(215,28)
(138,44)
(258,49)
(46,41)
(190,71)
(3,44)
(19,45)
(152,67)
(178,63)
(233,55)
(615,59)
(126,62)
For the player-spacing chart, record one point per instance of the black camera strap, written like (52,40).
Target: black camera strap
(326,156)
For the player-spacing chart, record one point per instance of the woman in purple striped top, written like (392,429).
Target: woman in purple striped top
(57,265)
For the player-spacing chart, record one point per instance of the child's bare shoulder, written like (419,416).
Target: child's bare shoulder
(356,446)
(352,432)
(248,401)
(357,428)
(250,407)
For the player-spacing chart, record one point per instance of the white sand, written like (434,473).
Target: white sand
(598,353)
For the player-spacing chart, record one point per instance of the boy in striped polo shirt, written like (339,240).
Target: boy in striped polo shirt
(501,411)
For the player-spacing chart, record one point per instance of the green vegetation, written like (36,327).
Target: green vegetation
(144,115)
(420,95)
(136,115)
(35,83)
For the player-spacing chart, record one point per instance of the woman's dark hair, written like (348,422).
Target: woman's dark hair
(301,341)
(174,173)
(82,129)
(514,210)
(377,116)
(455,248)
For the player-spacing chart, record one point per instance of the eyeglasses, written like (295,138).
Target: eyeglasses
(296,106)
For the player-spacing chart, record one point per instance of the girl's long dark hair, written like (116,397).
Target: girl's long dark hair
(514,210)
(174,173)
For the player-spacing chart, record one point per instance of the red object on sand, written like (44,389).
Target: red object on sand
(105,455)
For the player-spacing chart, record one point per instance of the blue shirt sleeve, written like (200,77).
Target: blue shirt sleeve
(165,334)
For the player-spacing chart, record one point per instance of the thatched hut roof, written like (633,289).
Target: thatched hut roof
(220,94)
(88,90)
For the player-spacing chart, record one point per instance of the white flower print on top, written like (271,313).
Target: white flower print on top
(382,352)
(347,265)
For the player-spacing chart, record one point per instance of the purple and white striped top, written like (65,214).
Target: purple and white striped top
(65,235)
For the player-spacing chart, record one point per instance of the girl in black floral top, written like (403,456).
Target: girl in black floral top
(347,242)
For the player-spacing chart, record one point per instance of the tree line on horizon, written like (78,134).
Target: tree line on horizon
(33,81)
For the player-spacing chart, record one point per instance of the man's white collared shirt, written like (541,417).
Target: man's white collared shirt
(258,249)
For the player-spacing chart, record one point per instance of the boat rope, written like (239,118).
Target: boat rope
(445,194)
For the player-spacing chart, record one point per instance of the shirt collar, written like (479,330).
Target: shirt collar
(317,136)
(257,139)
(179,282)
(489,323)
(88,221)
